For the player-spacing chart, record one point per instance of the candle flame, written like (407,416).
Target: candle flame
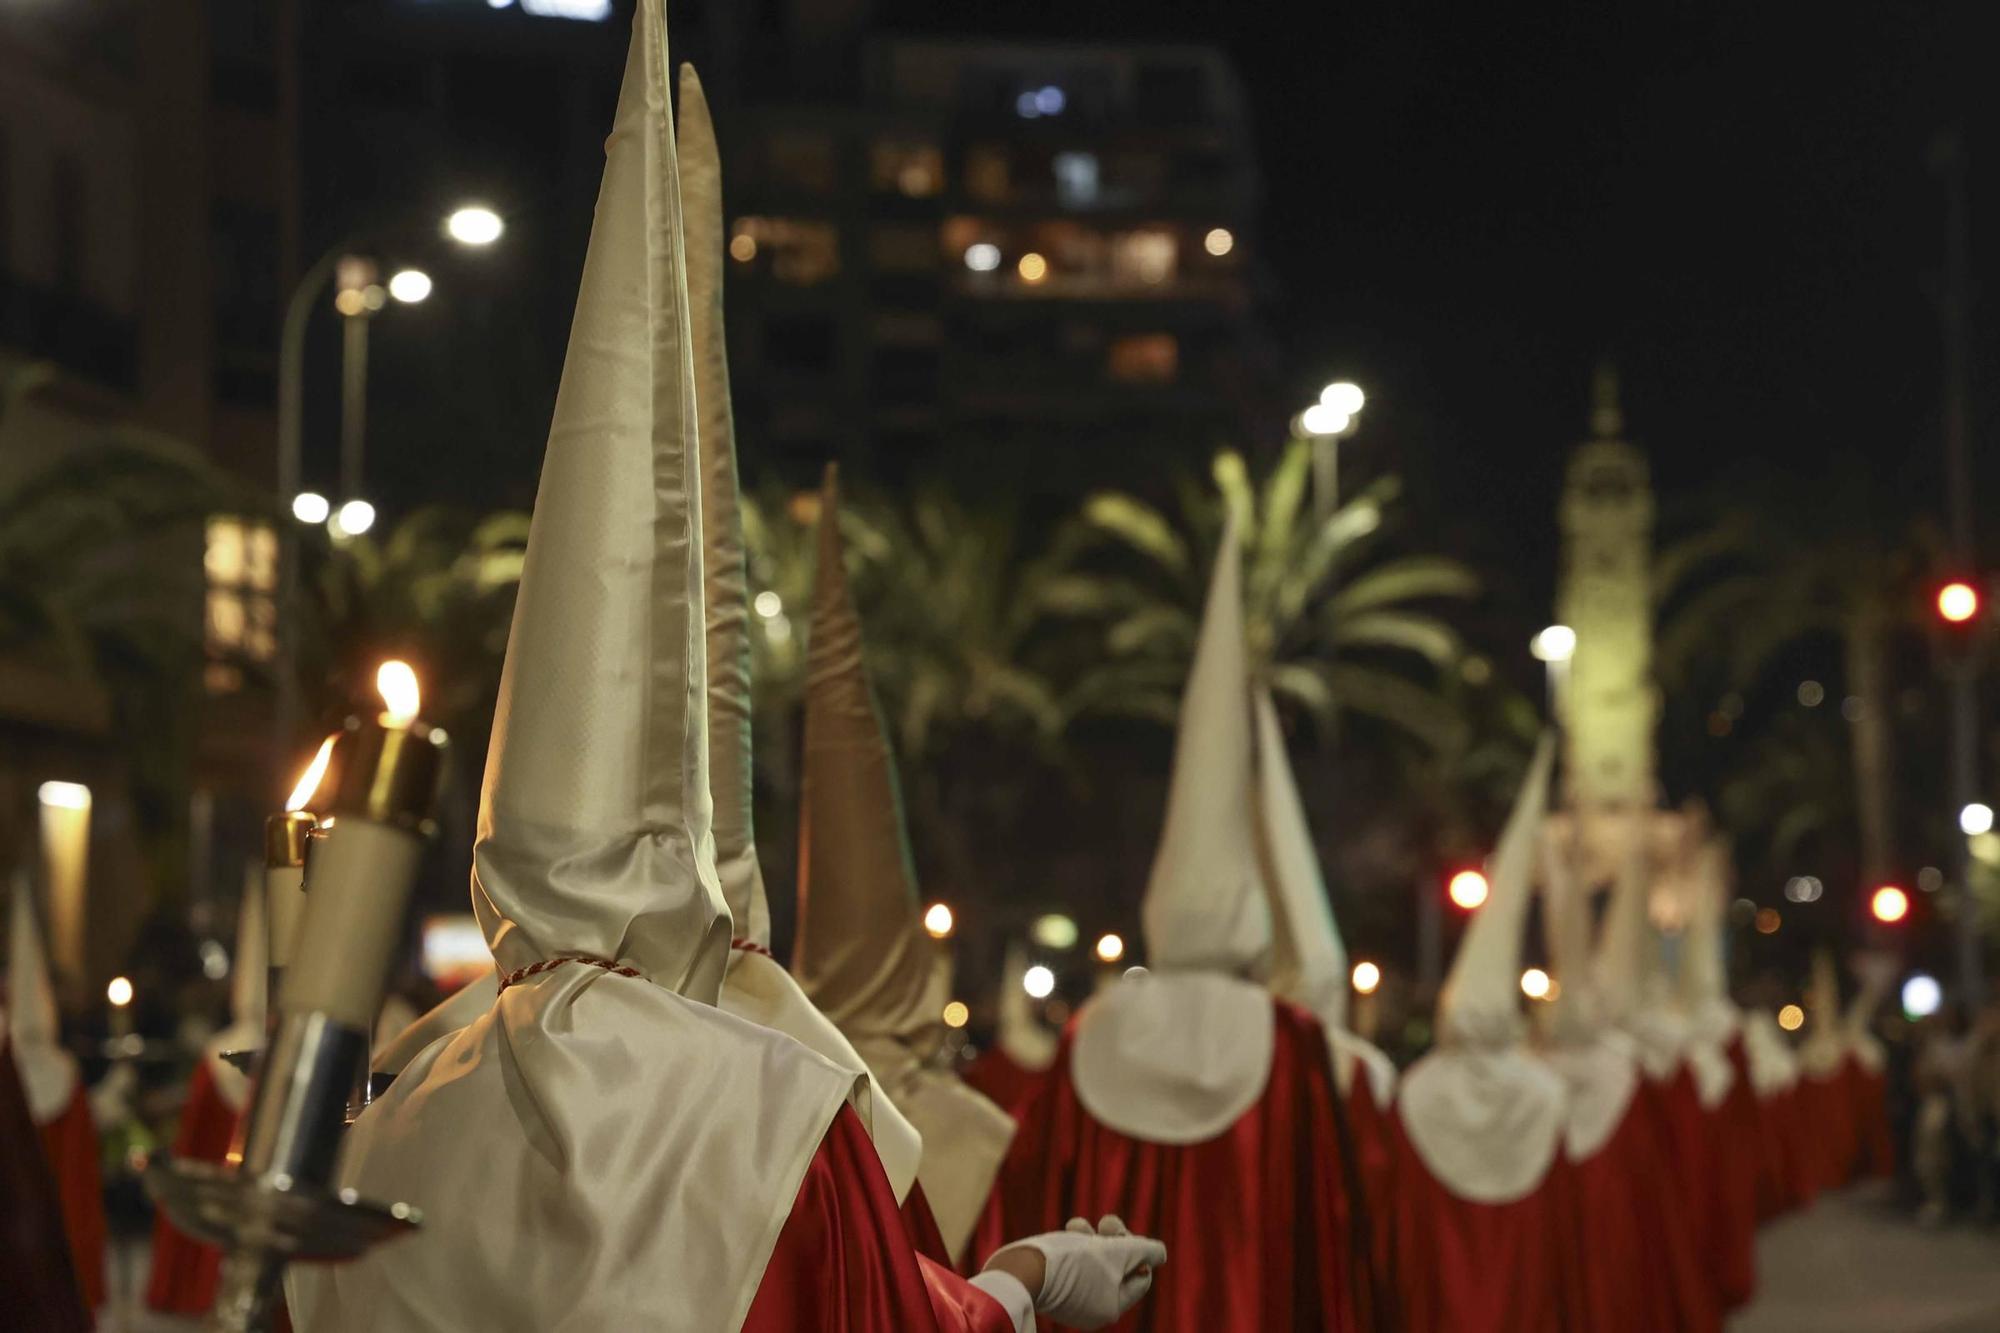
(310,779)
(398,684)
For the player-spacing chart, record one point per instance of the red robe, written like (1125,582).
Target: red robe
(1868,1105)
(922,1226)
(1373,1138)
(184,1270)
(1735,1129)
(1631,1259)
(70,1140)
(1825,1123)
(1006,1082)
(1255,1219)
(1464,1267)
(38,1286)
(844,1264)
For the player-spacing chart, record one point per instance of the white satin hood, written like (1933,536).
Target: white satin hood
(758,989)
(1599,1079)
(594,820)
(1354,1055)
(725,569)
(1773,1066)
(1204,905)
(447,1016)
(34,1028)
(1173,1057)
(1308,959)
(1480,1005)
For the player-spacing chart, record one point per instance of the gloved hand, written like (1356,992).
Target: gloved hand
(1090,1275)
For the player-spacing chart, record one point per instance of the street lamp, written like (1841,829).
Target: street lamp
(472,225)
(1555,646)
(1326,423)
(410,285)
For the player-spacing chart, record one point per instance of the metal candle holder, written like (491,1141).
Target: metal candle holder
(277,1201)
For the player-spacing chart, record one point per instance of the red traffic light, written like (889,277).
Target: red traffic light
(1889,904)
(1957,602)
(1468,890)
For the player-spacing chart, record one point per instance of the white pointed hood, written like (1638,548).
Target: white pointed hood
(1825,1046)
(249,979)
(1204,908)
(1483,1115)
(594,821)
(1630,976)
(603,1140)
(725,569)
(1877,976)
(1704,974)
(1597,1067)
(1026,1040)
(1308,959)
(34,1027)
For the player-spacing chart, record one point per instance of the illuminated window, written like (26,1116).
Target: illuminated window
(797,251)
(1076,179)
(906,167)
(240,622)
(1144,257)
(1144,358)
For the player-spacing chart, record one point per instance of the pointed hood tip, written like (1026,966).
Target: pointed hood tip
(1308,956)
(862,955)
(1478,1005)
(1204,907)
(598,764)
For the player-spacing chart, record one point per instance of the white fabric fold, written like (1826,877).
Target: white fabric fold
(34,1029)
(965,1137)
(447,1016)
(1173,1057)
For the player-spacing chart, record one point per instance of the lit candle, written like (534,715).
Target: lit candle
(285,859)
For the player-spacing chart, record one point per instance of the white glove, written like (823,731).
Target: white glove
(1093,1275)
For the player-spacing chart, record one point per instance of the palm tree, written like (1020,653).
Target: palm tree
(1333,625)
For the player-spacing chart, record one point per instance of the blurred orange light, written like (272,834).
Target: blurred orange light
(939,921)
(1468,890)
(1958,602)
(1367,976)
(1889,904)
(1768,921)
(1032,267)
(1791,1018)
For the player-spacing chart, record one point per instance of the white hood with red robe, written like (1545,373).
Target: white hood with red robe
(1176,1054)
(604,1148)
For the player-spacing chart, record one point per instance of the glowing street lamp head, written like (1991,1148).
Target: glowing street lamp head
(1110,947)
(64,795)
(1344,397)
(309,780)
(1922,995)
(397,682)
(1889,904)
(475,224)
(119,992)
(1535,984)
(1319,419)
(1468,890)
(1557,643)
(353,518)
(1958,602)
(310,507)
(939,921)
(1039,982)
(1976,819)
(410,285)
(1367,976)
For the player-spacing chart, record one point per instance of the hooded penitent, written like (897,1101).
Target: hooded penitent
(1482,1114)
(756,987)
(1177,1054)
(1308,960)
(1825,1045)
(863,956)
(1637,997)
(48,1072)
(1712,1021)
(1598,1071)
(603,1146)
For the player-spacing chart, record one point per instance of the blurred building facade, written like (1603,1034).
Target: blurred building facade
(1010,252)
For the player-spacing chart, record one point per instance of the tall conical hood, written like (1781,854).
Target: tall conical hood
(725,578)
(1623,960)
(594,833)
(1826,1038)
(1204,905)
(1308,960)
(34,1028)
(1480,1003)
(862,954)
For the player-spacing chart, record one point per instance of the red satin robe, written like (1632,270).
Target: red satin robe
(1736,1148)
(1373,1139)
(1464,1267)
(38,1287)
(1006,1082)
(1255,1220)
(1631,1260)
(184,1270)
(1787,1179)
(921,1224)
(1825,1122)
(70,1140)
(844,1263)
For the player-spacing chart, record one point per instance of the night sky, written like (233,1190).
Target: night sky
(1467,205)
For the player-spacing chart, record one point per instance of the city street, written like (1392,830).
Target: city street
(1852,1265)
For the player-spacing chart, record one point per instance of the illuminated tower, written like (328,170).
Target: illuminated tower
(1610,704)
